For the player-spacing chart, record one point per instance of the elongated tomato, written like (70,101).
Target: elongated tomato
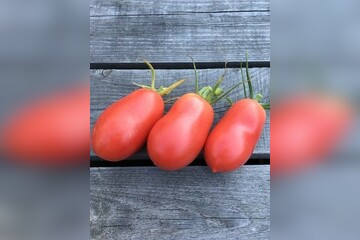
(232,141)
(177,138)
(53,130)
(123,127)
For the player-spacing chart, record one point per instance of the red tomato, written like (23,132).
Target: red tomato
(123,127)
(304,129)
(178,137)
(52,131)
(231,143)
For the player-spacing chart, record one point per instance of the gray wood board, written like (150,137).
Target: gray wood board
(152,7)
(164,38)
(107,86)
(147,203)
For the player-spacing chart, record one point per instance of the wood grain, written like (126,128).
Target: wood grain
(107,86)
(146,203)
(208,37)
(152,7)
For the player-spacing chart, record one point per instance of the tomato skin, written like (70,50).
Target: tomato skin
(232,141)
(122,129)
(177,138)
(52,131)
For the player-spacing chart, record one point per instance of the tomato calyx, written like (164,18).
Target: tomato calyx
(213,94)
(209,93)
(162,91)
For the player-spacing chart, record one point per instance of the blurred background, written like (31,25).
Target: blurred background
(44,56)
(315,152)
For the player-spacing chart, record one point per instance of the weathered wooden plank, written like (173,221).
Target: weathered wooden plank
(138,203)
(140,7)
(208,37)
(107,86)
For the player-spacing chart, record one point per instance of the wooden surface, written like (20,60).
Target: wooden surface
(146,203)
(107,86)
(166,31)
(152,7)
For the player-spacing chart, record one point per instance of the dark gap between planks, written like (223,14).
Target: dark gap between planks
(98,162)
(177,13)
(177,65)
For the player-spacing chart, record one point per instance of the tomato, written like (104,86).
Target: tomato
(178,137)
(231,143)
(122,129)
(304,129)
(51,131)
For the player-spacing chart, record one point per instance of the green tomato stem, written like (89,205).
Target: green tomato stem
(153,74)
(196,75)
(162,90)
(171,99)
(251,94)
(167,90)
(227,92)
(229,101)
(216,86)
(142,86)
(265,105)
(243,79)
